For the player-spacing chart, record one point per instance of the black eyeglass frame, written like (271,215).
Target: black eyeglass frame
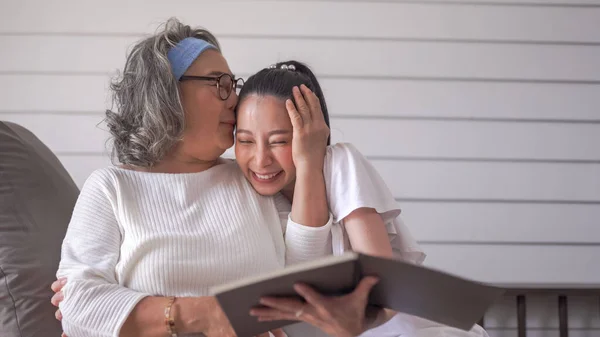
(235,82)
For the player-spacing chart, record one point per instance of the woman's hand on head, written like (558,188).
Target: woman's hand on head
(340,316)
(310,134)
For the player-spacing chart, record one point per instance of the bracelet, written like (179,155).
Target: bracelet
(169,321)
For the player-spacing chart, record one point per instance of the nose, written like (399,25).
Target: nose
(232,100)
(262,157)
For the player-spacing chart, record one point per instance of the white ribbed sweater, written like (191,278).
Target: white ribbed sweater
(134,234)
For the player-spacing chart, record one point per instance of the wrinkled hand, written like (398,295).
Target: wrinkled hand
(218,323)
(340,316)
(58,297)
(220,326)
(309,138)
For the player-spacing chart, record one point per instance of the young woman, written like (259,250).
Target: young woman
(272,116)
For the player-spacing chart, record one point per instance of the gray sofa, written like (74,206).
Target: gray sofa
(37,197)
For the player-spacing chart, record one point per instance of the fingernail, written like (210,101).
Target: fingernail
(264,301)
(63,281)
(253,313)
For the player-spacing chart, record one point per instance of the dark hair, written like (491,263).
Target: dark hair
(279,82)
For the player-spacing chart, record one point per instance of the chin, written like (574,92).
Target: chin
(267,192)
(227,143)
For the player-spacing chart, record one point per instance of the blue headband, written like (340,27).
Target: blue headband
(185,52)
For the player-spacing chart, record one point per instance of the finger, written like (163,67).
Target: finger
(281,316)
(283,304)
(303,108)
(313,103)
(58,315)
(295,116)
(272,314)
(279,333)
(57,298)
(58,284)
(310,295)
(364,287)
(63,335)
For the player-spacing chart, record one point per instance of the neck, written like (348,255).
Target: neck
(182,164)
(183,167)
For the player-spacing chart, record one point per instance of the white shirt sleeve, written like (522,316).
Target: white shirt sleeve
(352,183)
(302,243)
(94,303)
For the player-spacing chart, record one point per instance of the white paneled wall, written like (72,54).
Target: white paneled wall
(483,116)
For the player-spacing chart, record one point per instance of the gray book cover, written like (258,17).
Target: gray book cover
(403,287)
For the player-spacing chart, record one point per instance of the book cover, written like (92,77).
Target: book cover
(403,287)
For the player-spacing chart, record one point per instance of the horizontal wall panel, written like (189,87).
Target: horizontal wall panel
(496,181)
(464,139)
(503,223)
(379,98)
(54,93)
(452,99)
(392,139)
(103,54)
(361,19)
(516,264)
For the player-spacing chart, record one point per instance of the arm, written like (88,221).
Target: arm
(191,315)
(94,303)
(362,202)
(307,234)
(302,243)
(309,144)
(367,232)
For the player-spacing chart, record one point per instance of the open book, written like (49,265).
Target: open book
(403,287)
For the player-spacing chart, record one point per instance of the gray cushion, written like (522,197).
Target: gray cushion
(37,197)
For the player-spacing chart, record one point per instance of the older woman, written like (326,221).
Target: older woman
(149,237)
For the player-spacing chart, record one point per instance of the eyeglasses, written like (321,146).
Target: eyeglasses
(225,83)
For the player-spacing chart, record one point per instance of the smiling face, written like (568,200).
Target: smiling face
(263,147)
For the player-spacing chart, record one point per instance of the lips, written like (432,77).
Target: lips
(266,177)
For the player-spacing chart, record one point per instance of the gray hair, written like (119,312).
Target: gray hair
(150,118)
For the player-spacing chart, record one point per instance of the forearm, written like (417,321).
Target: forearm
(191,315)
(309,205)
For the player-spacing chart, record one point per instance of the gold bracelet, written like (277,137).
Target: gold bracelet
(169,321)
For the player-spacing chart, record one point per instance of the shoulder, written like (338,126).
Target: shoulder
(342,155)
(103,180)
